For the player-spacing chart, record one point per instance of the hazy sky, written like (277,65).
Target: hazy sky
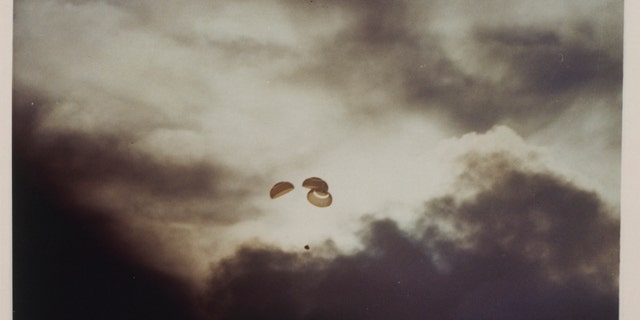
(472,150)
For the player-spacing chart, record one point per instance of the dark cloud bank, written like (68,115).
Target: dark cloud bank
(68,266)
(526,246)
(67,261)
(74,157)
(72,163)
(388,48)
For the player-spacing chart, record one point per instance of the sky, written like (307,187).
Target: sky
(472,152)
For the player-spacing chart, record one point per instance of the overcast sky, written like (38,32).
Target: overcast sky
(472,150)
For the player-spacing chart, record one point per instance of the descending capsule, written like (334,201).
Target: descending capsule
(280,189)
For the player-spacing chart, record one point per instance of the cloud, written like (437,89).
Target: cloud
(537,214)
(547,63)
(528,245)
(511,72)
(77,258)
(535,75)
(81,163)
(173,121)
(540,72)
(149,205)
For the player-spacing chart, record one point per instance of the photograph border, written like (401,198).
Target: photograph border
(630,174)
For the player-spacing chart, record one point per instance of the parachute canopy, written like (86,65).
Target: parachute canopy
(318,194)
(280,189)
(319,198)
(315,183)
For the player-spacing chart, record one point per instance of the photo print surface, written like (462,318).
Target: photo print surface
(317,159)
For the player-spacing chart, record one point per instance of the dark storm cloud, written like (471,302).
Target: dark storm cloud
(546,72)
(567,231)
(76,158)
(69,267)
(370,50)
(75,163)
(72,157)
(377,23)
(389,47)
(527,246)
(549,64)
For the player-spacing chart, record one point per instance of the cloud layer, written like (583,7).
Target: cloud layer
(527,246)
(472,151)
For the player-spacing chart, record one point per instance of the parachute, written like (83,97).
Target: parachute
(280,189)
(315,183)
(319,198)
(318,194)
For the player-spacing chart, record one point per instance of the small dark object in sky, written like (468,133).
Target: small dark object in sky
(306,247)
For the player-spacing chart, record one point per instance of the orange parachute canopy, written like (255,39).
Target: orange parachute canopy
(315,183)
(318,194)
(319,198)
(280,188)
